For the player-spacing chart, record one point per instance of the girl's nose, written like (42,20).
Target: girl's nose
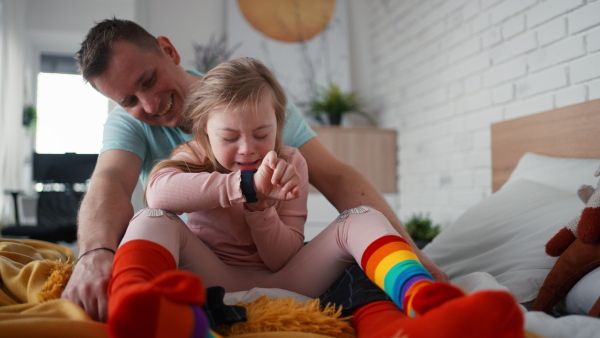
(246,146)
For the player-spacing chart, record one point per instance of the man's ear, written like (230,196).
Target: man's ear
(168,49)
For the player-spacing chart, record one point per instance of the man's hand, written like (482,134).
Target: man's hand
(434,270)
(88,285)
(276,179)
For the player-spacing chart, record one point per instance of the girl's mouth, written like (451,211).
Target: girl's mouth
(248,165)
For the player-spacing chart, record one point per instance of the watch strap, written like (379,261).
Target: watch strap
(247,185)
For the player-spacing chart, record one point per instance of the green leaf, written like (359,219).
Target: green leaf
(420,227)
(332,101)
(29,116)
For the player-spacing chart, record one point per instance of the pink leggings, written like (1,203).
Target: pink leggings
(310,272)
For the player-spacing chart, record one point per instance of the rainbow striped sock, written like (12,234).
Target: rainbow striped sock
(213,334)
(391,263)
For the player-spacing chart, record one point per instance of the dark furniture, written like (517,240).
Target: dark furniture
(63,177)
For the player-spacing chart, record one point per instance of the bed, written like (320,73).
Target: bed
(538,163)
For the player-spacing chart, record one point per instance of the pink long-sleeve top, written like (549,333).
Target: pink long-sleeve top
(216,214)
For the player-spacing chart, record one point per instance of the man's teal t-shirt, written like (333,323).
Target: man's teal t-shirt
(155,143)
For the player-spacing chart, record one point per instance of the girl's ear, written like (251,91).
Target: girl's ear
(168,49)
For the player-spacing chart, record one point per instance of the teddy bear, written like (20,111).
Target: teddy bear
(577,247)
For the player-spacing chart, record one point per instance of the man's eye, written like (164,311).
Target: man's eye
(148,83)
(130,102)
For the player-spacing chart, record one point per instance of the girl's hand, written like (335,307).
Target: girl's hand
(276,179)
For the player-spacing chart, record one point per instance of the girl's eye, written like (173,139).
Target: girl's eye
(230,139)
(261,137)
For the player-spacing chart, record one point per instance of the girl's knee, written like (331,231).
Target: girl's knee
(148,215)
(361,212)
(156,225)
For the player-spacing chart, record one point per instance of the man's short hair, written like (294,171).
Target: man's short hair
(96,50)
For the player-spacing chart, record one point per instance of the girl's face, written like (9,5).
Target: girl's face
(239,137)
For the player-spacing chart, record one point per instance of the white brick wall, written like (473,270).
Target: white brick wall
(442,71)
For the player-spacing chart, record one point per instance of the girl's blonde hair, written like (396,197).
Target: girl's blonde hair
(241,82)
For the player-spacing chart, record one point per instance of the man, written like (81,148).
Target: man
(144,76)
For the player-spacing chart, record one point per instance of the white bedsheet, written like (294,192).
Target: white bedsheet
(572,326)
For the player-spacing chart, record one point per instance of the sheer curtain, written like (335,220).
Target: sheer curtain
(12,88)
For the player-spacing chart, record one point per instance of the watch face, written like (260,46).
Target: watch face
(247,185)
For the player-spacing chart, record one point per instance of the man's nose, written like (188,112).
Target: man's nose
(150,102)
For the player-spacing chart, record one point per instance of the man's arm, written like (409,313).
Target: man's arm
(346,188)
(103,218)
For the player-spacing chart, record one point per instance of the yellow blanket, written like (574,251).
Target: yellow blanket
(33,274)
(25,268)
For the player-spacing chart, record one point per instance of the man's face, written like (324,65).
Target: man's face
(149,85)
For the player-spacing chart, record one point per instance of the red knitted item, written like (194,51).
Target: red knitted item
(490,314)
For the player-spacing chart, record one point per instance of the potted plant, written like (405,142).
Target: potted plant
(215,51)
(421,229)
(332,103)
(29,116)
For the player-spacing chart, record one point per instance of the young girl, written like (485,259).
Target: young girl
(245,195)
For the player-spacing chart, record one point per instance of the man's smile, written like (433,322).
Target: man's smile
(167,107)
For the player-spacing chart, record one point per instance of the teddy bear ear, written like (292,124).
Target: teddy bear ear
(560,242)
(585,192)
(588,229)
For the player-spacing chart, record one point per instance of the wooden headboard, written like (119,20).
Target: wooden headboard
(572,131)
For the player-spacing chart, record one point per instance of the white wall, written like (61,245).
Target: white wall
(12,97)
(185,22)
(59,26)
(441,71)
(361,66)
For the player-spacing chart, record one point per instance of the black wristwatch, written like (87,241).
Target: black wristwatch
(247,185)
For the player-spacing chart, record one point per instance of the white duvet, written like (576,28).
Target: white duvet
(572,326)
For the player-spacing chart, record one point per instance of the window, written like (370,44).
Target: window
(70,112)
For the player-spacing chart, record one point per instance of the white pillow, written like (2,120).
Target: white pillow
(505,234)
(584,294)
(558,172)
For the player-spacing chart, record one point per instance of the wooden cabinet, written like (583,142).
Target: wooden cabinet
(372,151)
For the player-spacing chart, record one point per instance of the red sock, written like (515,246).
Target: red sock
(139,261)
(391,263)
(148,297)
(490,314)
(433,295)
